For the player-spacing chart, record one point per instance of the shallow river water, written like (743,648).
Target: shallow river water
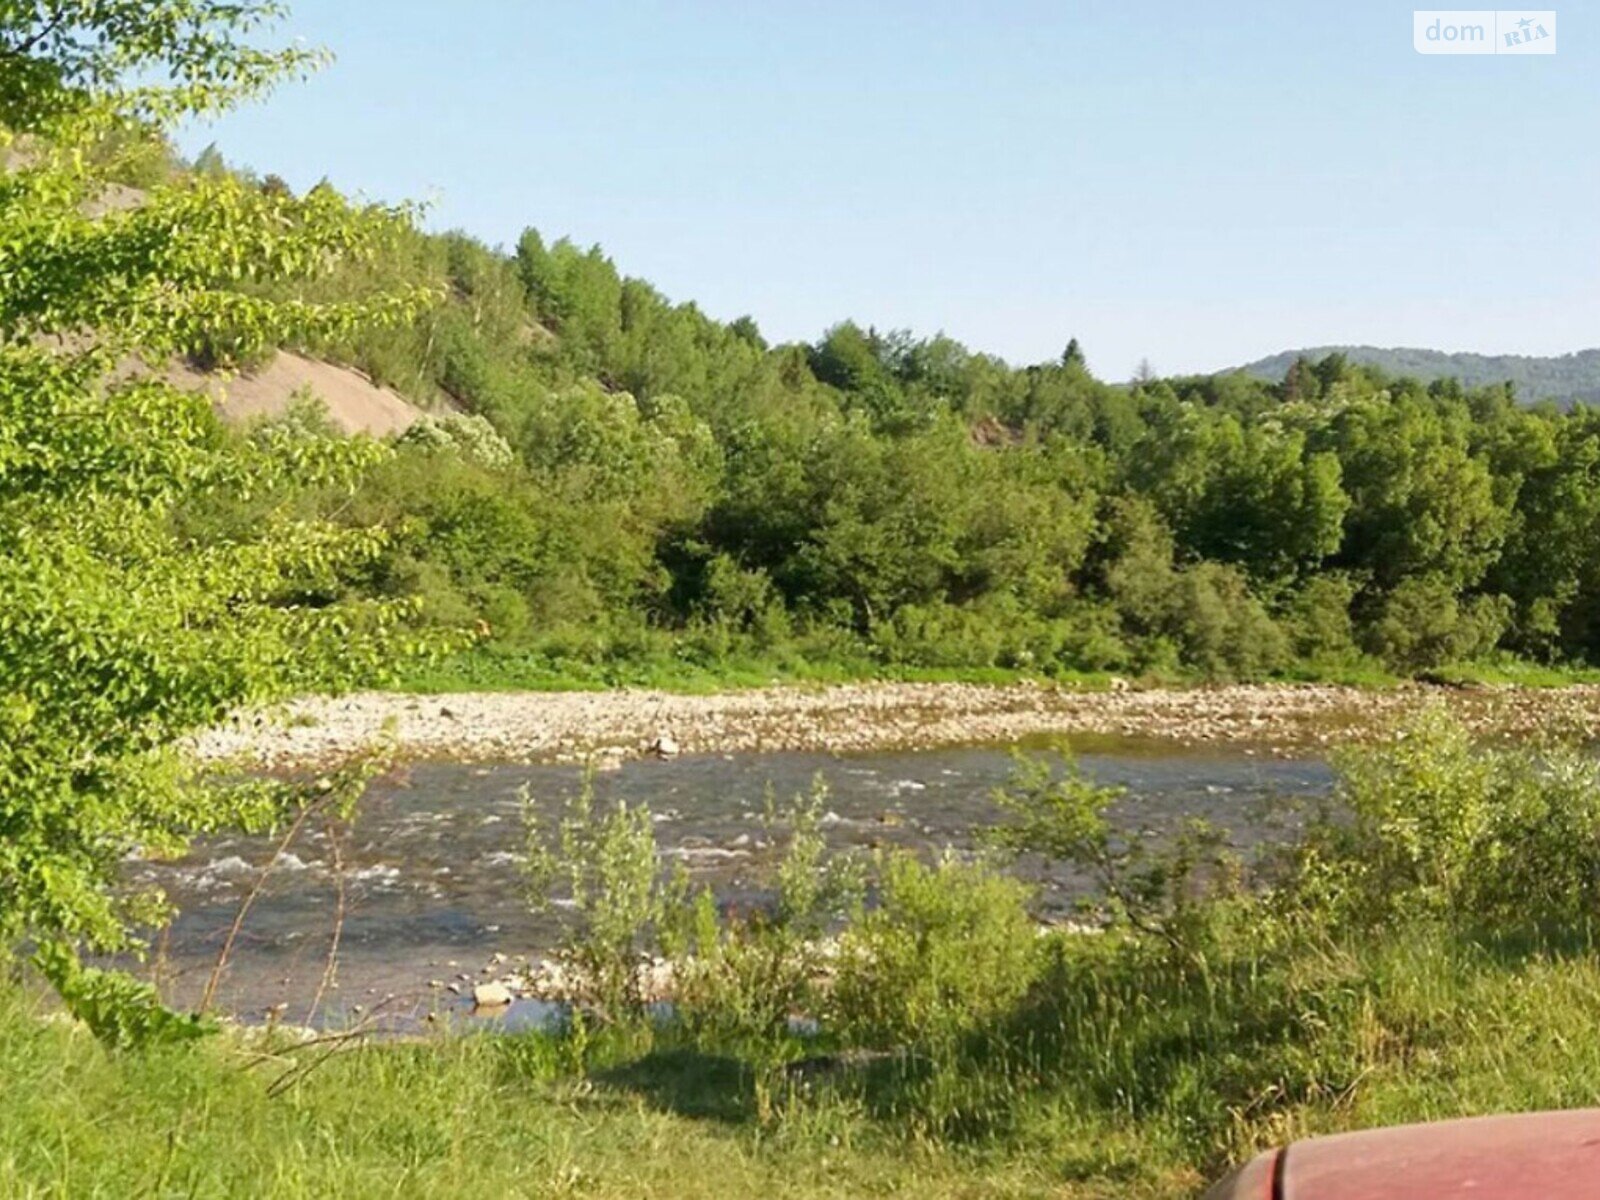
(432,866)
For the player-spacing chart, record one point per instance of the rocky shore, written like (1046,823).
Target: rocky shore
(609,727)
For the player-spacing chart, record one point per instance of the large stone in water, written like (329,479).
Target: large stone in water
(491,995)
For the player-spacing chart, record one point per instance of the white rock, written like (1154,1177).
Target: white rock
(491,995)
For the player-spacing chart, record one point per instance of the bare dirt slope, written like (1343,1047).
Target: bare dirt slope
(355,404)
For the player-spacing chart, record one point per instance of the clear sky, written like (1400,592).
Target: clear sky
(1200,184)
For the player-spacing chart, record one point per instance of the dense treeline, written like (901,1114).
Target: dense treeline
(622,477)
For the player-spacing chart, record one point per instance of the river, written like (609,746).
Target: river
(432,864)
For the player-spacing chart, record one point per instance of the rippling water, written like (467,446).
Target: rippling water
(433,877)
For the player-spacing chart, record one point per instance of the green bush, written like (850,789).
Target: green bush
(949,949)
(744,976)
(605,865)
(463,433)
(942,635)
(1318,620)
(119,636)
(1438,828)
(1221,628)
(1163,889)
(1423,624)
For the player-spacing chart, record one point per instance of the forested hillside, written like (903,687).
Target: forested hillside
(622,487)
(638,483)
(1565,378)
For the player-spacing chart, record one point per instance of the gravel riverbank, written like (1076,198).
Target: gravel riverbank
(607,727)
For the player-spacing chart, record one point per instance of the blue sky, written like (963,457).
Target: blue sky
(1199,184)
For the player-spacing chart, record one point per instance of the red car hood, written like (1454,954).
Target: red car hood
(1537,1156)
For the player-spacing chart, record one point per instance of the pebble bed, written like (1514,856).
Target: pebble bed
(608,727)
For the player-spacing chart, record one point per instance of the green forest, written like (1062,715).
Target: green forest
(613,487)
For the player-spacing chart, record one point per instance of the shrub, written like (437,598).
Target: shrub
(745,975)
(731,974)
(1319,622)
(304,419)
(1089,639)
(607,865)
(1424,624)
(940,635)
(743,601)
(1224,630)
(468,435)
(1438,828)
(1157,888)
(949,950)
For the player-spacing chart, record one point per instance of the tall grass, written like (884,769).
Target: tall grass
(1123,1076)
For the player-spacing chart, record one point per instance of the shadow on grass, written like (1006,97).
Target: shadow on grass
(721,1087)
(689,1083)
(1515,948)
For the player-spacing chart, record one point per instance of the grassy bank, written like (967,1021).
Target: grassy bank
(498,669)
(453,1118)
(501,670)
(1126,1080)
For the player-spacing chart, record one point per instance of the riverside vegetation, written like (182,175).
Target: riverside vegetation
(634,490)
(1428,952)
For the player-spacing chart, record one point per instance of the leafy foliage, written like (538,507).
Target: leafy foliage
(745,975)
(1441,829)
(948,950)
(660,487)
(119,631)
(1158,889)
(604,865)
(732,974)
(121,1011)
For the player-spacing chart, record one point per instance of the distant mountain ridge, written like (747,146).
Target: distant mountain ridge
(1566,378)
